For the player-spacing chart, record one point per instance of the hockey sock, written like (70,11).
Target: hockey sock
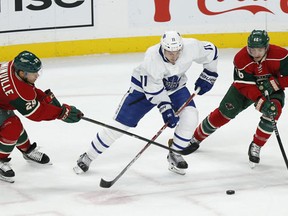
(210,124)
(265,126)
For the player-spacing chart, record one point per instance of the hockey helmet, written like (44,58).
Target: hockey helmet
(171,41)
(28,62)
(258,39)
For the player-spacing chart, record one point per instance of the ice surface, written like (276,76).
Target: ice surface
(96,84)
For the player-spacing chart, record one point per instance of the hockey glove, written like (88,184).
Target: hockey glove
(266,107)
(51,99)
(271,85)
(168,114)
(70,114)
(205,81)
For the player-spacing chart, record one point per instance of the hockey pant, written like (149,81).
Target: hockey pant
(12,134)
(231,105)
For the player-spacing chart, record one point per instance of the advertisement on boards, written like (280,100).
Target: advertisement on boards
(29,15)
(211,15)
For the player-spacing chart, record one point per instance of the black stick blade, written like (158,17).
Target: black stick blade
(190,149)
(106,184)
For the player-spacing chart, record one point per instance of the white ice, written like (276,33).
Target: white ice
(96,84)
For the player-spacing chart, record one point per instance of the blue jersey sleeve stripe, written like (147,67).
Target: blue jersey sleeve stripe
(136,82)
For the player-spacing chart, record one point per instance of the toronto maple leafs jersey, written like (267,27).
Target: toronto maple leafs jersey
(157,78)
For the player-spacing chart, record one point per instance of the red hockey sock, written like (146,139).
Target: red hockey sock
(210,124)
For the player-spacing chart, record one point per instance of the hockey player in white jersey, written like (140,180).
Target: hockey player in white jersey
(160,81)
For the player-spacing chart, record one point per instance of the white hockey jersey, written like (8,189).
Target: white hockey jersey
(158,78)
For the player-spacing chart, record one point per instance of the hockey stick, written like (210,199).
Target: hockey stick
(275,128)
(108,184)
(135,135)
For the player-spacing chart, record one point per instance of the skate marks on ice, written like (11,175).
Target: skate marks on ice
(12,195)
(138,186)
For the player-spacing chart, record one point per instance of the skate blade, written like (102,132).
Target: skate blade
(39,164)
(252,165)
(176,170)
(7,179)
(78,170)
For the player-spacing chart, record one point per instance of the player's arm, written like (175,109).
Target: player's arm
(47,97)
(275,83)
(208,56)
(245,82)
(41,111)
(246,85)
(36,110)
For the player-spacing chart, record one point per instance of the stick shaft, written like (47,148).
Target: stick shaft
(133,134)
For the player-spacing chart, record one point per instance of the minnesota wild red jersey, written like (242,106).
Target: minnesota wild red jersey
(247,71)
(16,94)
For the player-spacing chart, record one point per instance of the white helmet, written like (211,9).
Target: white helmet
(171,41)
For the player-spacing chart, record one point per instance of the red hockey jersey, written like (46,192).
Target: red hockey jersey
(247,71)
(16,94)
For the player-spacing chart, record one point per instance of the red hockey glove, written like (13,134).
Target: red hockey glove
(70,114)
(51,99)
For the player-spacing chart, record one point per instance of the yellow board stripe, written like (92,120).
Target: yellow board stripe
(126,45)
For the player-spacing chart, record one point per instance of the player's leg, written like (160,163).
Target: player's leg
(30,151)
(188,120)
(132,108)
(264,130)
(10,130)
(231,105)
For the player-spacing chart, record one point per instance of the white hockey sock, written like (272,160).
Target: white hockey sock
(184,130)
(104,139)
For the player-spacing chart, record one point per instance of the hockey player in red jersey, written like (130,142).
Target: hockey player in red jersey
(18,92)
(259,68)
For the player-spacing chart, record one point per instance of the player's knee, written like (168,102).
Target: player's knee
(217,119)
(279,107)
(11,129)
(109,135)
(189,117)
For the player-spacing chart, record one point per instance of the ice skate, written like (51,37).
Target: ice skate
(176,163)
(6,172)
(254,155)
(35,156)
(83,164)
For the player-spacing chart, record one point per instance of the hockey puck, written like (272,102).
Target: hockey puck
(230,192)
